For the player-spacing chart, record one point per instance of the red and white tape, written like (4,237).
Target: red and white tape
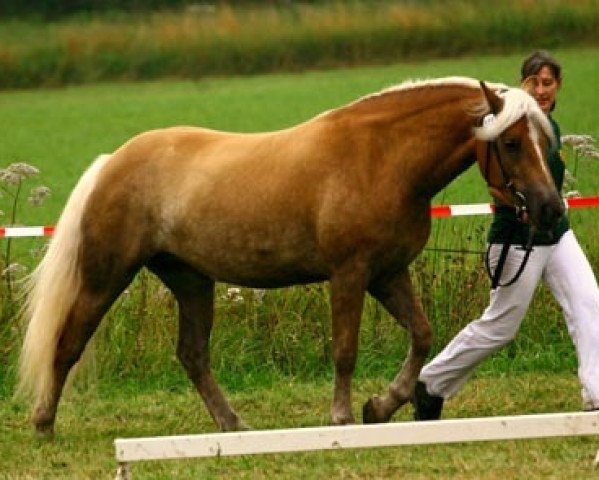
(14,232)
(437,211)
(440,211)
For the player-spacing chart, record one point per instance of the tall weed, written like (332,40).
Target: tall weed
(13,197)
(195,42)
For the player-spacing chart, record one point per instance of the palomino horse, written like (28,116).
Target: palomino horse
(343,197)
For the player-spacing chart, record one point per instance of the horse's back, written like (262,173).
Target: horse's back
(231,204)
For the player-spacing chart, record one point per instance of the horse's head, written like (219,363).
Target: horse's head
(512,143)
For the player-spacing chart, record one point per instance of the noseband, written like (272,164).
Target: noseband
(519,203)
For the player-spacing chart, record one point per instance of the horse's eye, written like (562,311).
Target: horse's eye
(512,145)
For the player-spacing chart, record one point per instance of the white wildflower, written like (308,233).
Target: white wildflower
(587,150)
(13,269)
(38,195)
(233,295)
(577,140)
(8,177)
(39,251)
(15,173)
(259,295)
(163,293)
(23,169)
(569,180)
(583,145)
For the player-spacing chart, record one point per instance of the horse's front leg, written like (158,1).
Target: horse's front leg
(397,296)
(195,295)
(348,286)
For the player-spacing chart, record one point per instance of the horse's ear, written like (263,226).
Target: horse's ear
(495,102)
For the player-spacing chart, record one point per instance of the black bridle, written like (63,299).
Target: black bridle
(508,185)
(521,210)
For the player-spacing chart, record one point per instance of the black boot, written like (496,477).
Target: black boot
(426,406)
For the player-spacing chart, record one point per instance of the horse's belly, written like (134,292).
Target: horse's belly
(256,257)
(270,279)
(252,272)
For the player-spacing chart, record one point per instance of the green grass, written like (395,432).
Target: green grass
(89,422)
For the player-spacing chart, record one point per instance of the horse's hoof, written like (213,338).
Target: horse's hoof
(44,431)
(42,419)
(236,426)
(340,420)
(369,411)
(43,424)
(243,427)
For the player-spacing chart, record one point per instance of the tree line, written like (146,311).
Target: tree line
(55,9)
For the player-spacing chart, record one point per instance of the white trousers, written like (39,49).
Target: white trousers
(566,270)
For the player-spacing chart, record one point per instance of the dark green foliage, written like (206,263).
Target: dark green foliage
(53,9)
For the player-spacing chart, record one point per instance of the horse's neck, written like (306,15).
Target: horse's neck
(430,134)
(446,157)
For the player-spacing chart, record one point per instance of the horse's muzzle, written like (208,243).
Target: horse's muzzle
(545,208)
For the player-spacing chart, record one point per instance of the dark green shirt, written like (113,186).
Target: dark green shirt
(505,219)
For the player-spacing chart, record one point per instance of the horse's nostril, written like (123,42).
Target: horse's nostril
(550,214)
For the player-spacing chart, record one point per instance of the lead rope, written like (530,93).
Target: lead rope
(496,275)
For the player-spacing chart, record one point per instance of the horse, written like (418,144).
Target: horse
(343,197)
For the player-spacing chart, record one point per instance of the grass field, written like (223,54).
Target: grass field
(89,422)
(62,130)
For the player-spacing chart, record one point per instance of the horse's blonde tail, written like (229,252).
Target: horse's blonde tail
(51,290)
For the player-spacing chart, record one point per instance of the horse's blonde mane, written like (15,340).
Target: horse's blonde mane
(412,84)
(517,103)
(438,82)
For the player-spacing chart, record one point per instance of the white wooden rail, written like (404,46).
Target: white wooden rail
(354,436)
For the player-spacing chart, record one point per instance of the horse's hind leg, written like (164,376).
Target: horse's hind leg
(397,296)
(83,318)
(195,295)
